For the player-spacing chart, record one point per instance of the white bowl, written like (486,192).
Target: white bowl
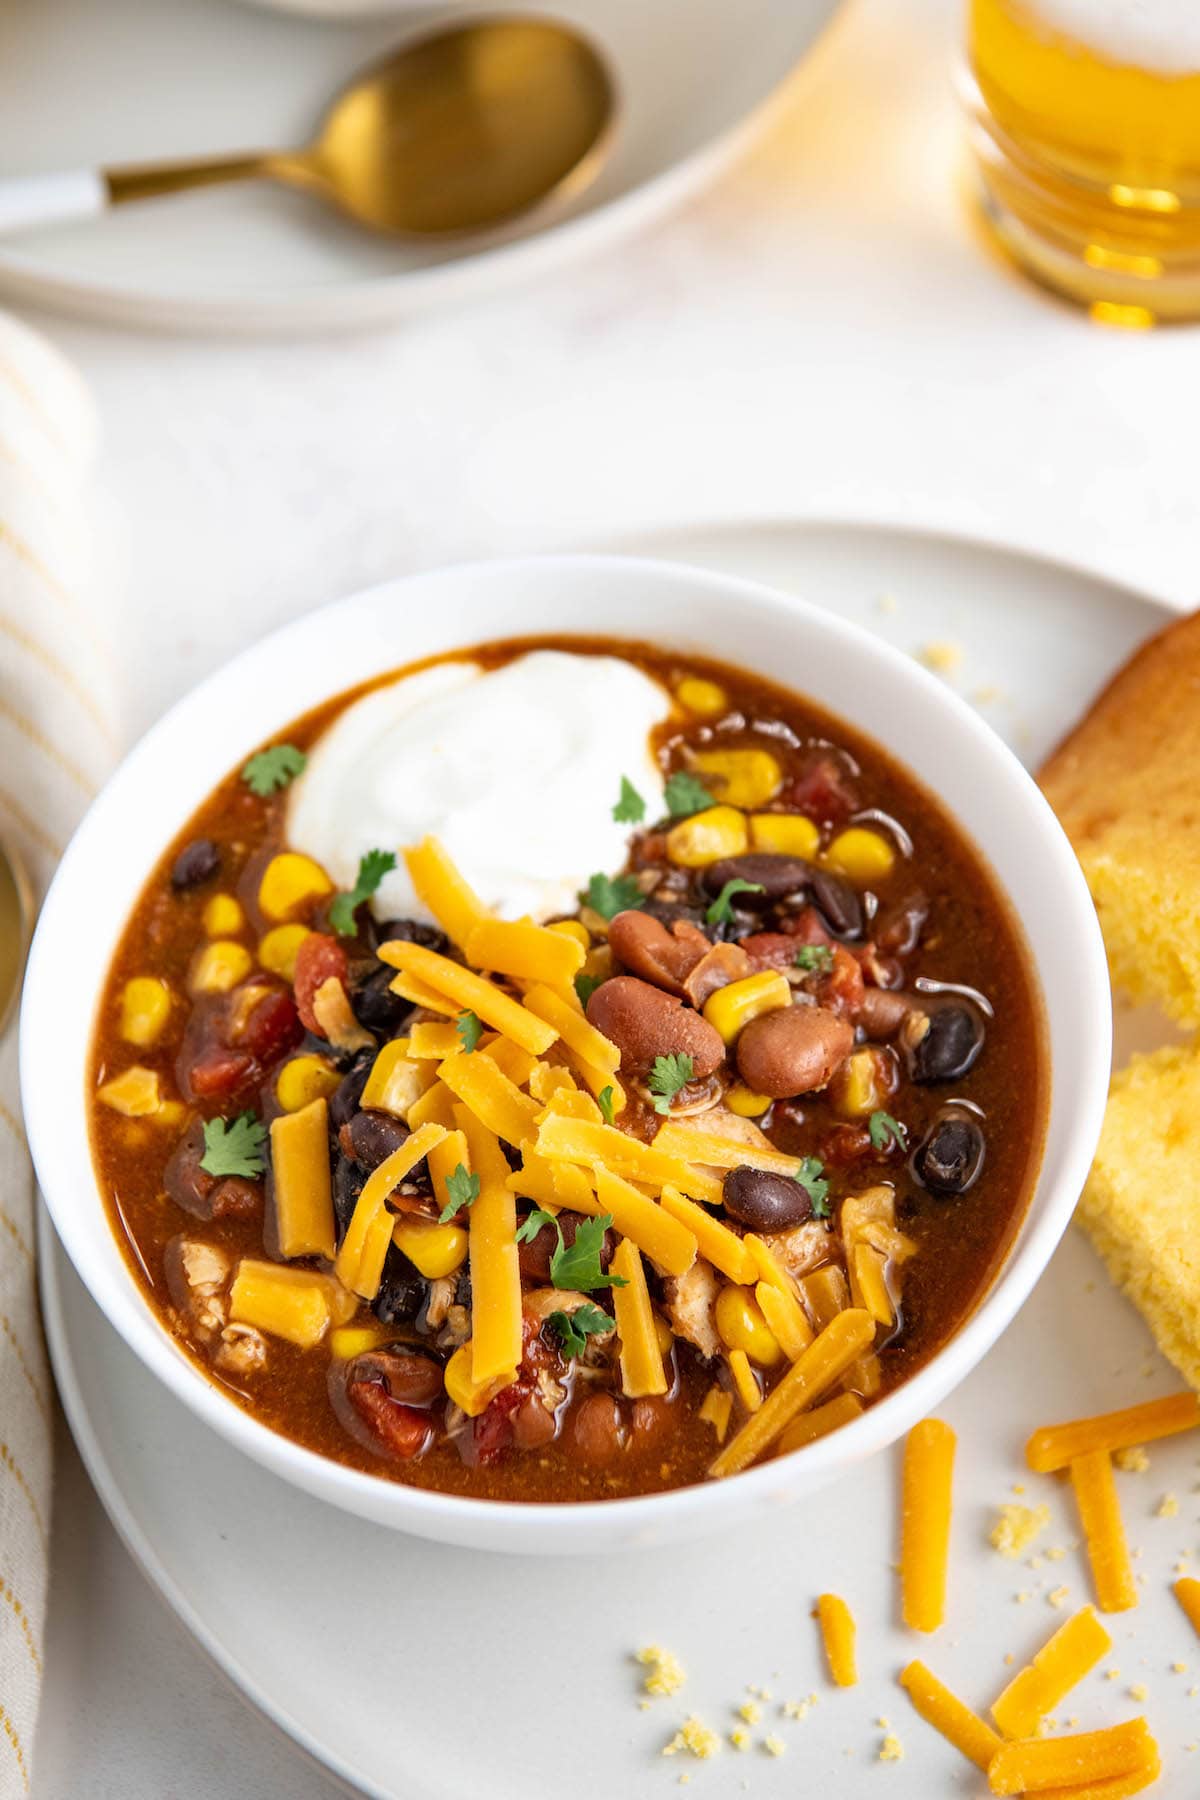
(182,758)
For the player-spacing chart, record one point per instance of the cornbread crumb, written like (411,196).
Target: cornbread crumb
(1018,1487)
(1168,1507)
(1133,1460)
(1059,1596)
(1023,1597)
(795,1709)
(739,1737)
(774,1745)
(987,693)
(1138,1690)
(1179,1668)
(886,603)
(1009,1658)
(1193,1691)
(943,656)
(1112,1674)
(883,1724)
(751,1711)
(891,1749)
(1055,1554)
(665,1674)
(696,1738)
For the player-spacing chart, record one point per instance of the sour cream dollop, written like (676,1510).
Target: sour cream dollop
(515,769)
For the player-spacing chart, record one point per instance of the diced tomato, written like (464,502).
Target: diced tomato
(491,1433)
(217,1072)
(824,791)
(770,949)
(273,1027)
(319,959)
(402,1431)
(842,989)
(806,927)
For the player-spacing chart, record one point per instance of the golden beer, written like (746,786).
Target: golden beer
(1086,128)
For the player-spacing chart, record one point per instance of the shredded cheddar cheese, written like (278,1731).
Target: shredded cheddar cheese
(838,1633)
(1058,1666)
(1090,1757)
(642,1369)
(1055,1446)
(943,1710)
(1104,1531)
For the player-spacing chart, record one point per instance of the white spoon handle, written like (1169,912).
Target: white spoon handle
(27,201)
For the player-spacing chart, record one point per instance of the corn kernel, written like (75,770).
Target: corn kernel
(289,882)
(745,778)
(742,1326)
(436,1250)
(349,1341)
(278,949)
(707,836)
(574,928)
(462,1388)
(732,1007)
(223,917)
(664,1335)
(745,1102)
(303,1080)
(145,1007)
(704,698)
(219,967)
(860,855)
(134,1093)
(785,834)
(397,1080)
(860,1087)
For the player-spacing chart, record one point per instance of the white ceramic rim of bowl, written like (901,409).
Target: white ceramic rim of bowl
(175,765)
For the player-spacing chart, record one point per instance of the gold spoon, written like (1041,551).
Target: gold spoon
(16,919)
(455,132)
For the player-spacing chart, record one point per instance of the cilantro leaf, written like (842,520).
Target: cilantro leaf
(371,870)
(810,1175)
(610,894)
(469,1028)
(234,1147)
(604,1100)
(630,808)
(685,794)
(577,1266)
(585,987)
(721,909)
(669,1074)
(886,1131)
(463,1190)
(815,958)
(532,1223)
(573,1329)
(269,770)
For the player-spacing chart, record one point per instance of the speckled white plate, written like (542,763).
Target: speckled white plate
(83,83)
(420,1673)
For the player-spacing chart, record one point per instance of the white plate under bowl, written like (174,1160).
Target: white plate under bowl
(83,84)
(426,1673)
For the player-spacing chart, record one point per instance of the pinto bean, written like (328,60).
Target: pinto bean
(533,1425)
(644,1023)
(409,1376)
(596,1430)
(765,1201)
(649,949)
(882,1011)
(793,1050)
(777,876)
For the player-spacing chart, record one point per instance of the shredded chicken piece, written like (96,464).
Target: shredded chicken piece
(205,1269)
(441,1298)
(690,1300)
(457,1328)
(243,1348)
(716,969)
(541,1302)
(802,1249)
(332,1011)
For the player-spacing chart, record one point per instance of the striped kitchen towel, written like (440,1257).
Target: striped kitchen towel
(56,742)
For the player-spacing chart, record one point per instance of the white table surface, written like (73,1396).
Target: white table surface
(820,334)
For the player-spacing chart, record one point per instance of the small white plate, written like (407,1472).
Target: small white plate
(416,1671)
(83,84)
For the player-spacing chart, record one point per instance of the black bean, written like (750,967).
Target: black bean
(411,931)
(950,1047)
(370,1137)
(196,862)
(347,1094)
(776,876)
(402,1292)
(186,1183)
(671,912)
(838,904)
(765,1201)
(348,1183)
(950,1158)
(374,1004)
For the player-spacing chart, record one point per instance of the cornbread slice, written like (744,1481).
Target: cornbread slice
(1141,1205)
(1126,786)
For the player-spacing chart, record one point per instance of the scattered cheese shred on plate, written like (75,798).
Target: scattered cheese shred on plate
(1187,1592)
(1016,1528)
(1055,1446)
(1058,1666)
(665,1674)
(943,1710)
(837,1630)
(1104,1531)
(1034,1765)
(925,1523)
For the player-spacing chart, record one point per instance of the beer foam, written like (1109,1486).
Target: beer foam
(1159,35)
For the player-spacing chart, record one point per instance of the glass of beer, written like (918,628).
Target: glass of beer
(1085,121)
